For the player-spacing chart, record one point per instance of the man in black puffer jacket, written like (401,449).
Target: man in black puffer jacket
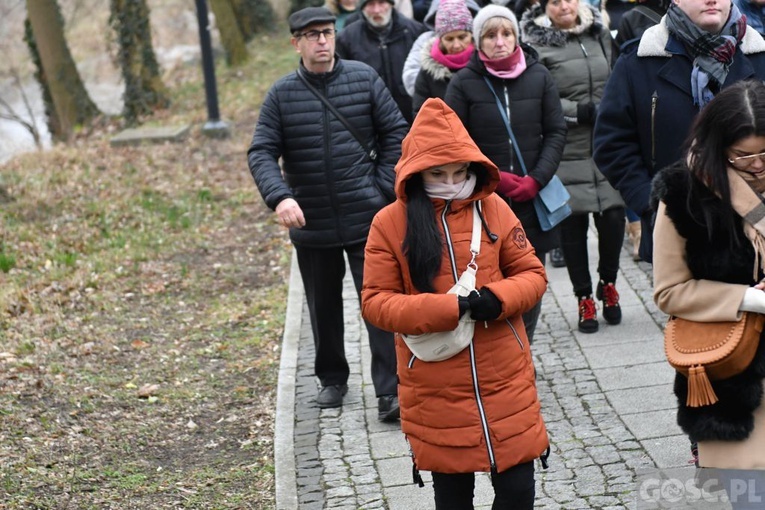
(330,188)
(382,38)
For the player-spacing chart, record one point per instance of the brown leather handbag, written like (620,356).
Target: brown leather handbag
(704,351)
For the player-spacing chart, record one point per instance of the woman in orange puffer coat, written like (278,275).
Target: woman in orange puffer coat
(479,410)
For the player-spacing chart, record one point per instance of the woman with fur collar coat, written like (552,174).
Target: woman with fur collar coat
(446,52)
(709,253)
(478,410)
(575,46)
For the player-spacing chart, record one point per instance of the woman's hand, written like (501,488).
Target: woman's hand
(526,189)
(754,300)
(484,305)
(507,182)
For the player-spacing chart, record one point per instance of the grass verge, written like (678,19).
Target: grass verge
(142,301)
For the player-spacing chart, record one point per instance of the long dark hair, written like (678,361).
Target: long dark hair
(423,242)
(737,112)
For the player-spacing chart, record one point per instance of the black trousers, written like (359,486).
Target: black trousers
(513,489)
(323,270)
(610,227)
(531,317)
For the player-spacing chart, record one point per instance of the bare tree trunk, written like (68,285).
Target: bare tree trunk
(253,16)
(70,100)
(230,34)
(7,111)
(281,8)
(144,90)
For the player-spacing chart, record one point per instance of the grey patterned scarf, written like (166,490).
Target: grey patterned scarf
(712,53)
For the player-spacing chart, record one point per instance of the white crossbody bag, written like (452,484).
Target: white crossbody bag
(446,344)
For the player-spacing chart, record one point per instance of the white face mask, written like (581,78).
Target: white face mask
(457,191)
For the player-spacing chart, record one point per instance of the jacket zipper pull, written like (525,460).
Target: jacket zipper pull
(654,103)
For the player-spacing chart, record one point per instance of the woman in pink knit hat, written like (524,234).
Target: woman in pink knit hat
(447,52)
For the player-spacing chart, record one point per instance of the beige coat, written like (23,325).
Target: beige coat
(677,293)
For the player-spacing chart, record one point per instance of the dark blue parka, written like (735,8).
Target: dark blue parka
(325,169)
(647,111)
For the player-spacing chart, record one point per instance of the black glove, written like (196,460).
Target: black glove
(586,112)
(484,305)
(464,305)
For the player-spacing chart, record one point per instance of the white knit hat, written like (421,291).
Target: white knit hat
(488,12)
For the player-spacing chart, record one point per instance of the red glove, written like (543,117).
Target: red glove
(507,181)
(526,189)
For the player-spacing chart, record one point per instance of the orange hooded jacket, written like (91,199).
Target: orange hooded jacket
(479,410)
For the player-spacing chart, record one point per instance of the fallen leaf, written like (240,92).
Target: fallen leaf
(138,344)
(147,390)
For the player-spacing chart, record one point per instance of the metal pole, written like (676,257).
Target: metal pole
(214,125)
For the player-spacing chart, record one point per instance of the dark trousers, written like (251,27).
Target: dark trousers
(610,227)
(323,270)
(513,489)
(531,317)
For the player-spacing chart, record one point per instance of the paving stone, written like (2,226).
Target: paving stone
(594,390)
(338,492)
(602,501)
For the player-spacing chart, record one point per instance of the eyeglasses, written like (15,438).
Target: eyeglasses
(744,162)
(314,35)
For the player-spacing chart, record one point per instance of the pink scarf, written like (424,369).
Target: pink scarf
(453,62)
(507,67)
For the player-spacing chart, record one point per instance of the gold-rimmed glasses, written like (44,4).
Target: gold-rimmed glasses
(744,162)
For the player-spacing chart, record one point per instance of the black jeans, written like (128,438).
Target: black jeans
(531,317)
(513,489)
(323,270)
(610,227)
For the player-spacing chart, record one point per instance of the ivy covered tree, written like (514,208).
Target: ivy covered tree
(144,90)
(67,103)
(253,16)
(231,35)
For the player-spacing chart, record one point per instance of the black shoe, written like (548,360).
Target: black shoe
(387,408)
(588,318)
(606,292)
(556,258)
(331,396)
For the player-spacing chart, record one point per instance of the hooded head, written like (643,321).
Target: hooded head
(437,137)
(453,15)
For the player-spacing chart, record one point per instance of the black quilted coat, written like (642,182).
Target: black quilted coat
(325,168)
(537,120)
(386,53)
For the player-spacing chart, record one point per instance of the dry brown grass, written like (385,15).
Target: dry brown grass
(142,295)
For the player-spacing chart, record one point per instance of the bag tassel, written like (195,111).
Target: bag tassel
(700,392)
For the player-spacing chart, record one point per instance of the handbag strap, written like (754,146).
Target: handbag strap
(371,152)
(475,241)
(507,125)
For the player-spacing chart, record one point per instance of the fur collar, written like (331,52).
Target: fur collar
(654,41)
(435,69)
(730,419)
(538,30)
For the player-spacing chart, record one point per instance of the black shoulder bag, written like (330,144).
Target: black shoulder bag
(370,151)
